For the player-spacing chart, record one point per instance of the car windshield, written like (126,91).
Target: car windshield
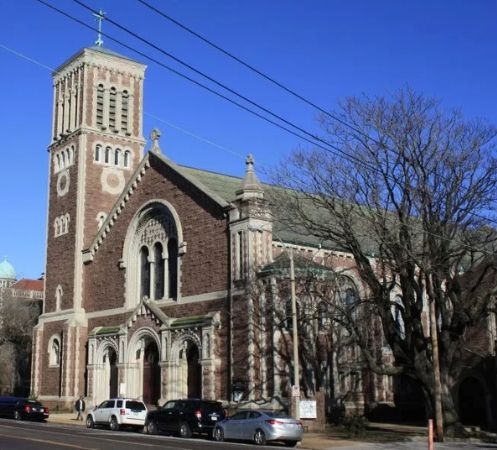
(169,405)
(277,415)
(135,406)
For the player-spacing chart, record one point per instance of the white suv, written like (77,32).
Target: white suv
(118,412)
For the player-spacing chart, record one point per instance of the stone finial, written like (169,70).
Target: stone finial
(155,136)
(251,187)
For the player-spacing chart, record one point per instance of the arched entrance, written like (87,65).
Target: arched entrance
(472,403)
(151,374)
(194,377)
(113,373)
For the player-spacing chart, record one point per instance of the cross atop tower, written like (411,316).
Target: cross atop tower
(99,18)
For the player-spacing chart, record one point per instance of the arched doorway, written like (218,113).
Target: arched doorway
(472,403)
(113,373)
(194,377)
(151,374)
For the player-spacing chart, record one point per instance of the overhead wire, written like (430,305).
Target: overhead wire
(276,82)
(227,88)
(341,152)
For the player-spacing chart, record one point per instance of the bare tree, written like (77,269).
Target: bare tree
(17,319)
(414,203)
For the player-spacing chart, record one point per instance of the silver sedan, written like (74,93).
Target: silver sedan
(259,426)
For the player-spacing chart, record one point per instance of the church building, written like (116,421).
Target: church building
(151,267)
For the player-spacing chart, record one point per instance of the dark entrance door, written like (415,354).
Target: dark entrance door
(472,403)
(194,373)
(113,378)
(151,374)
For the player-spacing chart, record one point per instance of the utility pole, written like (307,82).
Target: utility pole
(295,335)
(439,424)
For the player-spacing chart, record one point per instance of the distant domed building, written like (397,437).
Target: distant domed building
(7,274)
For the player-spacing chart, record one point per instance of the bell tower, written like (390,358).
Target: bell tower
(97,143)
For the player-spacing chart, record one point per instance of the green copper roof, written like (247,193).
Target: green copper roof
(226,187)
(7,270)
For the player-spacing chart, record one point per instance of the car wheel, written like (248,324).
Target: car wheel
(218,434)
(290,443)
(259,437)
(152,427)
(114,426)
(185,431)
(17,415)
(89,422)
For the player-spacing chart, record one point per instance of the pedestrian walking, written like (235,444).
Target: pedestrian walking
(79,406)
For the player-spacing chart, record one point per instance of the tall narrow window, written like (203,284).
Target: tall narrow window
(117,157)
(112,108)
(145,272)
(159,271)
(107,155)
(240,254)
(126,158)
(124,111)
(98,153)
(172,251)
(100,105)
(58,297)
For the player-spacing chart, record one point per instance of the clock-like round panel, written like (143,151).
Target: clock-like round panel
(63,180)
(112,180)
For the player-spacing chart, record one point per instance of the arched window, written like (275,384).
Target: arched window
(108,151)
(126,158)
(117,157)
(63,159)
(54,350)
(58,297)
(56,226)
(144,272)
(347,298)
(398,316)
(98,153)
(67,219)
(112,108)
(124,111)
(159,271)
(100,105)
(172,252)
(57,162)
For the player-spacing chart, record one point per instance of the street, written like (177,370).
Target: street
(38,436)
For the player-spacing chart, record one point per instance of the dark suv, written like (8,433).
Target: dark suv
(185,417)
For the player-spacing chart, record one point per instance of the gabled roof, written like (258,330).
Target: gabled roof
(131,186)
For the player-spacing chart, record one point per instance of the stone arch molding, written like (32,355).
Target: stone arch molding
(129,260)
(178,344)
(135,360)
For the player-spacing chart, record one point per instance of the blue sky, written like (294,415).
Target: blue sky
(323,49)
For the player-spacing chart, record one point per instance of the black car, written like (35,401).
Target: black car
(185,417)
(22,409)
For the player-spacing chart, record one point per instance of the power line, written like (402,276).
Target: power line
(224,86)
(261,73)
(254,69)
(275,82)
(341,153)
(333,150)
(153,116)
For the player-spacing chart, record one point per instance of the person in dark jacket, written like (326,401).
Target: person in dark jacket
(79,406)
